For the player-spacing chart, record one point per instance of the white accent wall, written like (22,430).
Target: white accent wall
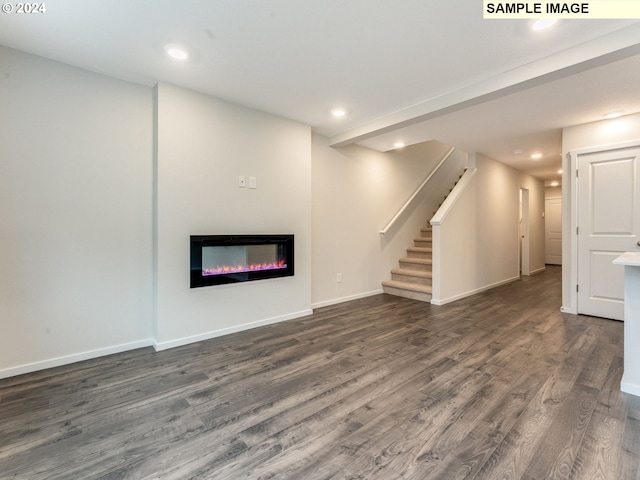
(204,144)
(81,213)
(75,213)
(553,192)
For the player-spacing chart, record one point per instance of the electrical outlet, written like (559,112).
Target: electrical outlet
(242,181)
(253,183)
(339,278)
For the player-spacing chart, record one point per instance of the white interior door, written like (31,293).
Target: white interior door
(608,220)
(553,231)
(524,232)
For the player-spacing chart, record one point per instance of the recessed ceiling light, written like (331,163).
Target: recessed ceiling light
(338,112)
(398,144)
(543,23)
(535,156)
(613,115)
(560,171)
(554,184)
(177,52)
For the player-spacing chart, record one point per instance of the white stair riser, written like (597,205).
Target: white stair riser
(420,267)
(423,255)
(422,243)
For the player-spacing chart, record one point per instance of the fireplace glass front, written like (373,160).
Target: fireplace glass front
(219,259)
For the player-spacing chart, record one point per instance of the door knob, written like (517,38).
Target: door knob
(638,243)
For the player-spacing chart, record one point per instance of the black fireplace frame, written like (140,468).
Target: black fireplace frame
(285,243)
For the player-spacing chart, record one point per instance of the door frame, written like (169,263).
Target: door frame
(570,220)
(524,248)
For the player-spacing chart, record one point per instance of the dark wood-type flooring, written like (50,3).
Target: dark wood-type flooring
(500,385)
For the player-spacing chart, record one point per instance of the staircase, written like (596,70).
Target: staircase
(413,278)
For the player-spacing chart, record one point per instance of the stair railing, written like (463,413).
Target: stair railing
(416,193)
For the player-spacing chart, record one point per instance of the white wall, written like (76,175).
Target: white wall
(553,192)
(356,191)
(204,144)
(75,204)
(478,239)
(76,199)
(595,134)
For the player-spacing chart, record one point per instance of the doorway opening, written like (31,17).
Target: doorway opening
(523,232)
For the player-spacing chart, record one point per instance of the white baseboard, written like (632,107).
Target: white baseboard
(460,296)
(226,331)
(336,301)
(631,388)
(534,272)
(150,342)
(568,310)
(77,357)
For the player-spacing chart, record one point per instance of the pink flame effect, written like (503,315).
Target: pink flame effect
(225,269)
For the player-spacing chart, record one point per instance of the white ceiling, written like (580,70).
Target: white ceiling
(409,70)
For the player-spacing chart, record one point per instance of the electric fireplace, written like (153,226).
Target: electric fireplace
(219,259)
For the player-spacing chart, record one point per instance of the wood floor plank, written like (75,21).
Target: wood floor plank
(339,414)
(556,454)
(600,453)
(498,385)
(630,462)
(467,458)
(521,445)
(416,420)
